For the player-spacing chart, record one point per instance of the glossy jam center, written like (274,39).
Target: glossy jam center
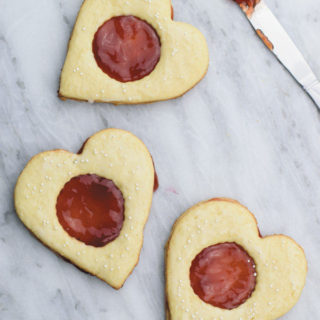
(126,48)
(91,209)
(223,275)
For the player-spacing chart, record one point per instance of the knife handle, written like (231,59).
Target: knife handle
(312,85)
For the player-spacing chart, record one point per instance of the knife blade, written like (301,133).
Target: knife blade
(278,41)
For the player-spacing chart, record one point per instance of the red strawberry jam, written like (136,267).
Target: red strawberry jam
(156,182)
(248,3)
(223,275)
(126,48)
(91,209)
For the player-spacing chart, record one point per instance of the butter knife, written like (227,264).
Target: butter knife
(278,41)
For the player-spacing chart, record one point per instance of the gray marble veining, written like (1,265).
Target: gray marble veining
(247,131)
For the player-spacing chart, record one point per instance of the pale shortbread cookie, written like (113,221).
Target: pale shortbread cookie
(183,62)
(280,262)
(113,154)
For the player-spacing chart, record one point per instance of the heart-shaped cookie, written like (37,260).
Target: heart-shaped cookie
(131,52)
(219,267)
(91,207)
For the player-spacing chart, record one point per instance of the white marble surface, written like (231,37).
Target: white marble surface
(247,131)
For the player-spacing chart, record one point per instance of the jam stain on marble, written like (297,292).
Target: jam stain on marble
(91,209)
(223,275)
(126,48)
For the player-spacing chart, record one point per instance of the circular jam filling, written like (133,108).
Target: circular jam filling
(126,48)
(91,209)
(223,275)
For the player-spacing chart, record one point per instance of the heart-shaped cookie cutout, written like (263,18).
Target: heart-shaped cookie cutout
(131,52)
(219,267)
(91,208)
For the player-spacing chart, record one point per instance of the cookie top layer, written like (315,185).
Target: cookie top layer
(183,60)
(113,154)
(280,263)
